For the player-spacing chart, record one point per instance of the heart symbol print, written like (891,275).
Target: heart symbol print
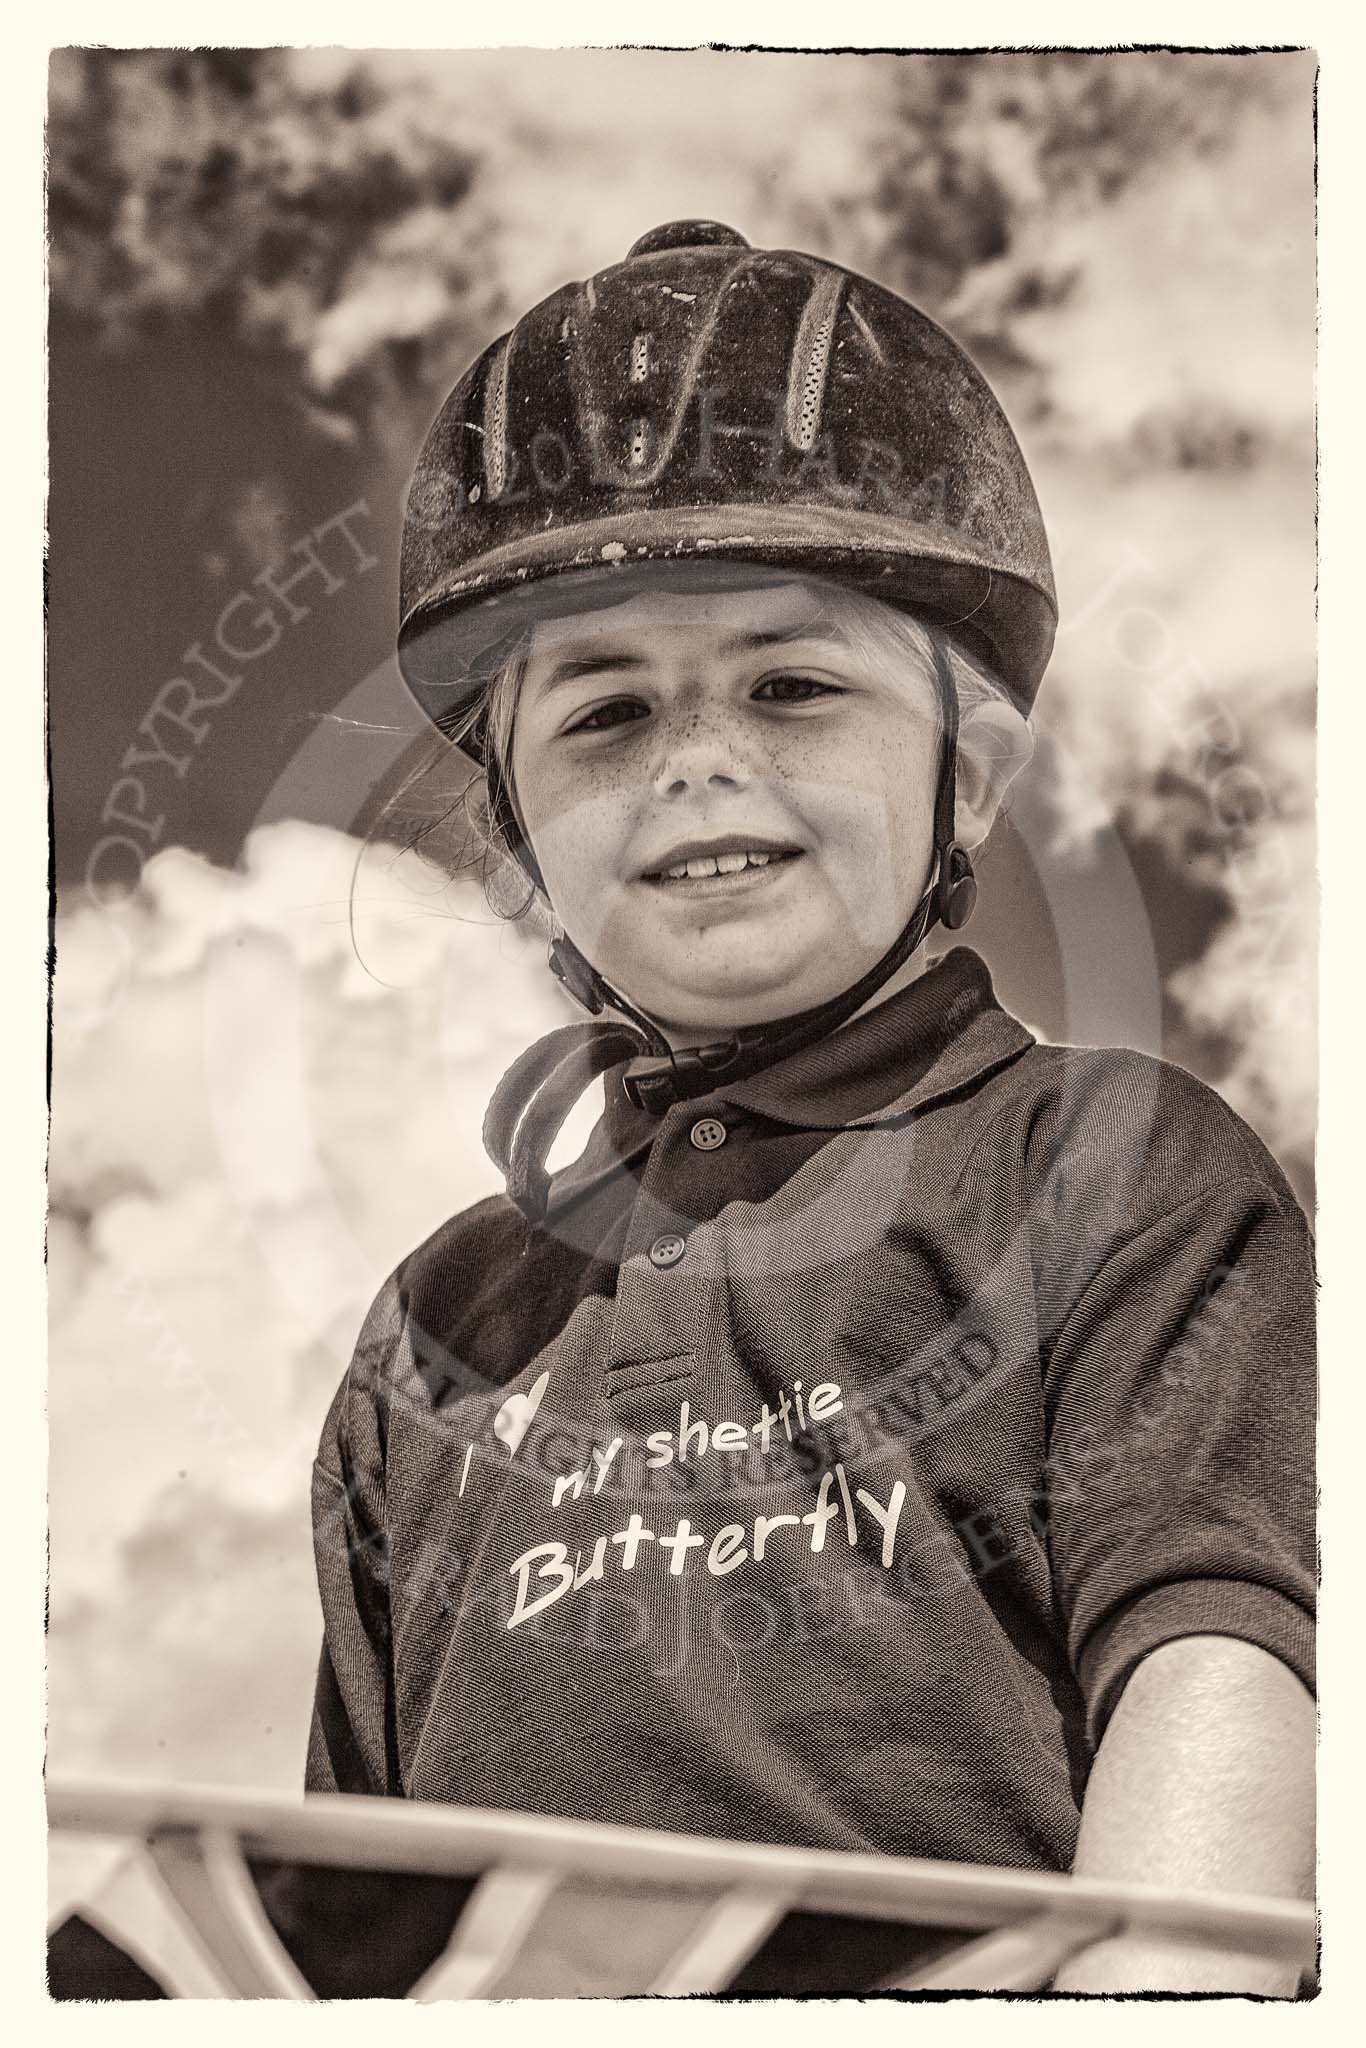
(515,1417)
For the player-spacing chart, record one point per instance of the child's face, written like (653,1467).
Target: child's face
(649,732)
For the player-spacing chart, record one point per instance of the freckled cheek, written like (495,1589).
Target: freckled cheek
(579,823)
(846,791)
(872,810)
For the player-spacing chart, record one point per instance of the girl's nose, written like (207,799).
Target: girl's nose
(700,759)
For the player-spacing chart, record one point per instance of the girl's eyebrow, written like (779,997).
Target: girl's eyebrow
(815,633)
(572,668)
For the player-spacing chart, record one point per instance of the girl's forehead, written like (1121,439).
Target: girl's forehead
(763,607)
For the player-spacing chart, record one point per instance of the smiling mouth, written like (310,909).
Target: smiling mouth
(722,873)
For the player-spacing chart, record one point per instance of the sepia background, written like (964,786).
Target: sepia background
(266,269)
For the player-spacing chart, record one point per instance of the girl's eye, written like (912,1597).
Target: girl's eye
(785,689)
(793,689)
(603,716)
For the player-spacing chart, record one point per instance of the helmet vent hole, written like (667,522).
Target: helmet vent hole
(639,443)
(496,422)
(813,386)
(811,362)
(640,358)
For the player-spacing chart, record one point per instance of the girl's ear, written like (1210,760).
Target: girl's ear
(994,744)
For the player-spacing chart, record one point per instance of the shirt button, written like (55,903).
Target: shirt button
(708,1134)
(667,1250)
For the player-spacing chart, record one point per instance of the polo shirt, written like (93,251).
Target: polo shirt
(821,1467)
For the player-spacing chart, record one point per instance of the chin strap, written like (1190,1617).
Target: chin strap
(537,1093)
(535,1096)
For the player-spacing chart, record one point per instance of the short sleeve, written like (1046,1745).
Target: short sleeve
(351,1744)
(1181,1397)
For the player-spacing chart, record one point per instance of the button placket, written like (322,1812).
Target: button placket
(660,1294)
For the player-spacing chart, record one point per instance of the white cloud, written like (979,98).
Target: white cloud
(250,1128)
(1178,480)
(581,151)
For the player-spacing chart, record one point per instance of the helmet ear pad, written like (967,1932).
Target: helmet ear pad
(955,889)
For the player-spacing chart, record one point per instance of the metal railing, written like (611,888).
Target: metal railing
(662,1913)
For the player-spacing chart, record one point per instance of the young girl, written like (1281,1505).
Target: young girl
(891,1433)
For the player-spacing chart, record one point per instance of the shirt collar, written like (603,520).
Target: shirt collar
(939,1034)
(942,1031)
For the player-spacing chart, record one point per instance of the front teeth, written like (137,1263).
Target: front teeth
(718,864)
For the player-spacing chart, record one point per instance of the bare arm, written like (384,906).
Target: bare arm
(1204,1779)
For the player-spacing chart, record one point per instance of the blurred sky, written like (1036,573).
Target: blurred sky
(266,270)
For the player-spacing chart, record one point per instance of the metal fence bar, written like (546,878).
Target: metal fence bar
(356,1832)
(1020,1958)
(720,1946)
(499,1915)
(209,1881)
(133,1909)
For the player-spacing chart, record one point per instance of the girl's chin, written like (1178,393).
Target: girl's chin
(733,1007)
(731,982)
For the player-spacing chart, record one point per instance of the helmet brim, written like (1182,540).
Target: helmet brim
(451,647)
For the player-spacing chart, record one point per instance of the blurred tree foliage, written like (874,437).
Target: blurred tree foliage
(215,182)
(230,183)
(984,145)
